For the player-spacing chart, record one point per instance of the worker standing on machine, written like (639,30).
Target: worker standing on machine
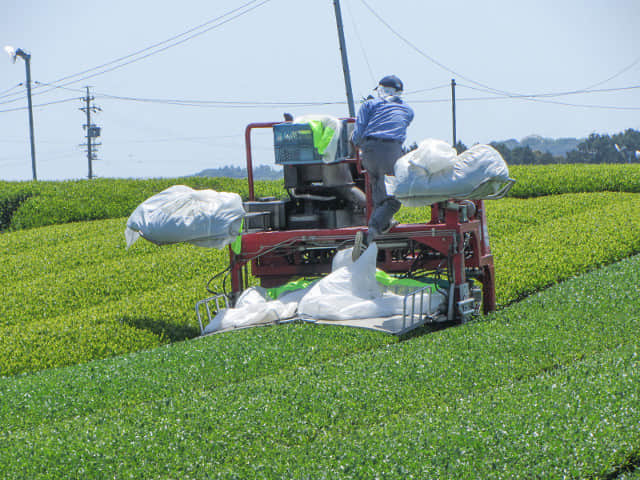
(380,130)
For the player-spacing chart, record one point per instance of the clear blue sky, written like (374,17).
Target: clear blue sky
(286,51)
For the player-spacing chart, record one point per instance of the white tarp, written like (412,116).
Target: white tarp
(349,292)
(181,214)
(254,307)
(433,173)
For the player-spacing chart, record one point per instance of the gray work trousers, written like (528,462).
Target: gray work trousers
(379,158)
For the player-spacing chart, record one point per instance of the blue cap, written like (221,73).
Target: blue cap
(391,81)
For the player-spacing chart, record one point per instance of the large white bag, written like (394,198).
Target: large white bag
(350,291)
(477,173)
(432,156)
(254,307)
(181,214)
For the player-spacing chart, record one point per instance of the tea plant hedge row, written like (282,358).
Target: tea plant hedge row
(33,204)
(592,230)
(548,388)
(73,293)
(539,180)
(633,474)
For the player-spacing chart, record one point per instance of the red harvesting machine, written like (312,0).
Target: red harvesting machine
(298,236)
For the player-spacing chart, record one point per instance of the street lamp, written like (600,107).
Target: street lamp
(14,53)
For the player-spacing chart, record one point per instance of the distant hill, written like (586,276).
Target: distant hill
(556,147)
(261,172)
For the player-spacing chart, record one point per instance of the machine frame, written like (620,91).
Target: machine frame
(454,243)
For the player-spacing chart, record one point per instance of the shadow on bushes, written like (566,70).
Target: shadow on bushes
(8,206)
(162,328)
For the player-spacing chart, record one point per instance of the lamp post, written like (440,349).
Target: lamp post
(14,53)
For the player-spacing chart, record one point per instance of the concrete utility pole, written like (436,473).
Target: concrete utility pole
(453,109)
(345,62)
(92,131)
(14,53)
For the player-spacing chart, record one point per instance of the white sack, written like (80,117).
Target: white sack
(181,214)
(350,292)
(432,156)
(254,307)
(476,174)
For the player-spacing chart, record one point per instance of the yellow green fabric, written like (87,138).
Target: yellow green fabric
(389,281)
(321,135)
(275,292)
(236,245)
(381,277)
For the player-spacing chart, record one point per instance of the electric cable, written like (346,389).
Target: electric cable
(475,99)
(40,105)
(175,37)
(75,90)
(430,89)
(557,94)
(427,56)
(362,49)
(488,88)
(215,103)
(537,98)
(4,93)
(249,7)
(616,75)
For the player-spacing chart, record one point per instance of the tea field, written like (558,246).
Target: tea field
(103,377)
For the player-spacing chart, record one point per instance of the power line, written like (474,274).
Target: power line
(3,92)
(76,90)
(540,97)
(217,103)
(489,89)
(558,94)
(430,89)
(39,105)
(247,8)
(628,67)
(175,37)
(37,85)
(511,97)
(362,49)
(427,56)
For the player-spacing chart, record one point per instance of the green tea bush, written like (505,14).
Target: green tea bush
(76,277)
(12,195)
(580,233)
(540,180)
(34,204)
(548,388)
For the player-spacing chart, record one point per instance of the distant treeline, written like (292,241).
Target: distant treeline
(261,172)
(619,148)
(533,150)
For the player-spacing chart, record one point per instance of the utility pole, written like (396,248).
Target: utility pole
(14,53)
(453,109)
(27,62)
(92,131)
(345,62)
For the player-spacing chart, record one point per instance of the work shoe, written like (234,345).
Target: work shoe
(359,246)
(393,223)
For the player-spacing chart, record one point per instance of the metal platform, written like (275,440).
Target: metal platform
(396,325)
(420,307)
